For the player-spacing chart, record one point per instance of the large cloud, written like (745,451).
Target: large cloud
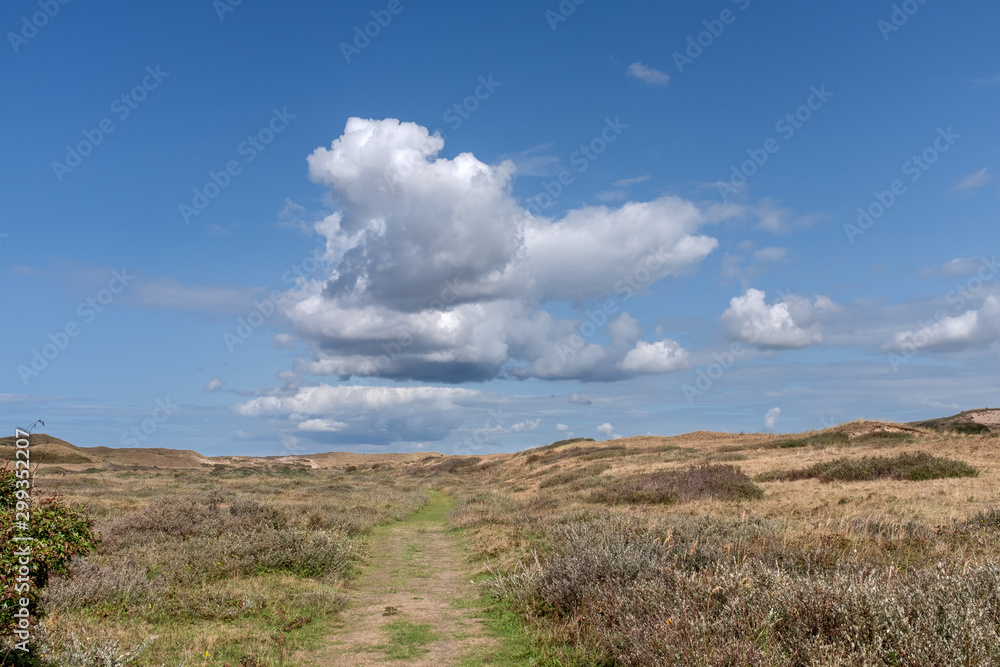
(438,273)
(793,322)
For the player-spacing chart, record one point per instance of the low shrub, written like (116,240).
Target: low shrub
(722,482)
(917,466)
(87,583)
(636,598)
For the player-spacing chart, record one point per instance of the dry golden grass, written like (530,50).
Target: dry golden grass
(526,513)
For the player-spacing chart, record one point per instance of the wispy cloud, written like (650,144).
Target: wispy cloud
(986,82)
(649,75)
(974,181)
(611,195)
(627,182)
(534,161)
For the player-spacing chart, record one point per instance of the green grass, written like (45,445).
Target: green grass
(518,642)
(407,640)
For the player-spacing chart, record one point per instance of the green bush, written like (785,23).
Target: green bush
(917,466)
(60,532)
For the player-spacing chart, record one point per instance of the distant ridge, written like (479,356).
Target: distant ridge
(46,449)
(983,420)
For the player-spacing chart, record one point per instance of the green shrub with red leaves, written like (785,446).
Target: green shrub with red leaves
(60,532)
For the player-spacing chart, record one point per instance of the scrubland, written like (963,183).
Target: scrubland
(232,566)
(865,544)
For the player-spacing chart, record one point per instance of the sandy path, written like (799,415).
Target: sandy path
(417,576)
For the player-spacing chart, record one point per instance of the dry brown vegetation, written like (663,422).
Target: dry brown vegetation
(876,553)
(849,546)
(230,566)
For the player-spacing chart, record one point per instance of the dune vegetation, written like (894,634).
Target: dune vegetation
(849,546)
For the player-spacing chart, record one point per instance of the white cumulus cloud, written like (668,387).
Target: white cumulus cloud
(650,75)
(793,322)
(659,357)
(526,425)
(437,273)
(973,328)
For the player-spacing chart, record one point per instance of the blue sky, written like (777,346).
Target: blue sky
(253,228)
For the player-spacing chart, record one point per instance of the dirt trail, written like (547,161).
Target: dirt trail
(410,607)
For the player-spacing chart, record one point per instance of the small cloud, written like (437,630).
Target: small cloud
(562,427)
(770,254)
(960,266)
(605,429)
(284,341)
(22,270)
(777,220)
(527,425)
(292,217)
(322,425)
(794,322)
(986,82)
(214,385)
(242,435)
(771,418)
(974,181)
(627,182)
(219,230)
(579,400)
(534,161)
(612,195)
(649,75)
(661,356)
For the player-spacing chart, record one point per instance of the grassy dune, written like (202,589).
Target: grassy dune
(874,553)
(865,544)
